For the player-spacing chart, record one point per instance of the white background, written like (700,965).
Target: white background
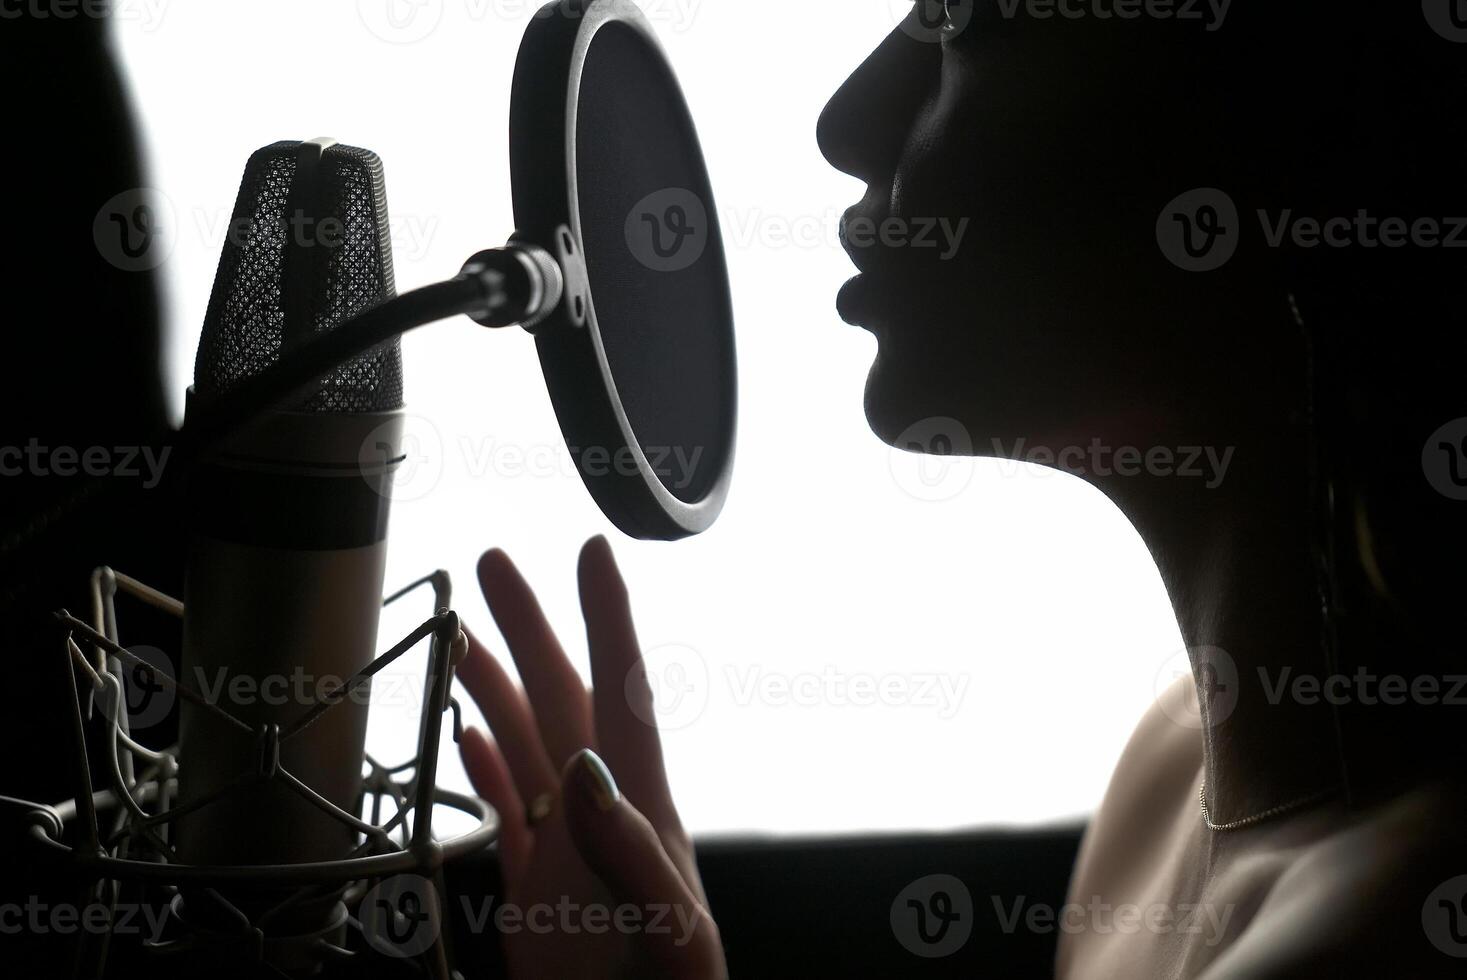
(1022,590)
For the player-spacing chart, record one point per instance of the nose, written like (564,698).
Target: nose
(863,129)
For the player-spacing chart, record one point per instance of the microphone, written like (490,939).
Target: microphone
(288,520)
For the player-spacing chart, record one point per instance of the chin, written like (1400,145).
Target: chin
(933,398)
(909,399)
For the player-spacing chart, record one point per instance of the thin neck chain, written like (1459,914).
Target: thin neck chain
(1258,818)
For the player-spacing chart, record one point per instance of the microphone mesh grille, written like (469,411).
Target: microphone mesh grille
(349,250)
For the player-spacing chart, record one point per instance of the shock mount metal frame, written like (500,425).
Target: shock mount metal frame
(122,832)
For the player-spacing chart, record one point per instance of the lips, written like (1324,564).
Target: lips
(861,257)
(856,300)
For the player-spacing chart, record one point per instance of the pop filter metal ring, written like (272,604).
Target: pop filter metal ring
(544,116)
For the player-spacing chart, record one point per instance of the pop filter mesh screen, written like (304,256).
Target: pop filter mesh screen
(350,259)
(655,260)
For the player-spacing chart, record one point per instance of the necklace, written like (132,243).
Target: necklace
(1257,818)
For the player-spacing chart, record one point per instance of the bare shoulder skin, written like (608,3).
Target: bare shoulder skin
(1321,892)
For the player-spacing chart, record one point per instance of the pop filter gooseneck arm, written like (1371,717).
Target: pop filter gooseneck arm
(499,287)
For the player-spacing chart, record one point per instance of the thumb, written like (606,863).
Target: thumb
(675,934)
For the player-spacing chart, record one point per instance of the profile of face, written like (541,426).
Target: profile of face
(1016,169)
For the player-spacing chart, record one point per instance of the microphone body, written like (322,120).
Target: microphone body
(288,518)
(284,584)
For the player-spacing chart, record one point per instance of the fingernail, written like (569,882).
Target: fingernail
(491,559)
(594,778)
(539,808)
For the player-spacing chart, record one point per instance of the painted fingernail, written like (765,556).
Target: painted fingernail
(539,808)
(596,779)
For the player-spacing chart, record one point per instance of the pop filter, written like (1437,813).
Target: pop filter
(609,179)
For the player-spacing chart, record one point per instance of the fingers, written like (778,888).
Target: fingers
(491,777)
(625,852)
(626,733)
(558,697)
(511,719)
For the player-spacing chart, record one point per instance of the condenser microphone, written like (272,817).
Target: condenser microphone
(288,533)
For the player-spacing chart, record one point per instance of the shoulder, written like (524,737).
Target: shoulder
(1149,815)
(1158,773)
(1385,895)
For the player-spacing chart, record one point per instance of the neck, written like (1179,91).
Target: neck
(1238,561)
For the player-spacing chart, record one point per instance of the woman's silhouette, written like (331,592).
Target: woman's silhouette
(1233,228)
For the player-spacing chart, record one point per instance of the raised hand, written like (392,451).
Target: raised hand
(599,875)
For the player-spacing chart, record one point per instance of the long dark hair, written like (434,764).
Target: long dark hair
(1384,331)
